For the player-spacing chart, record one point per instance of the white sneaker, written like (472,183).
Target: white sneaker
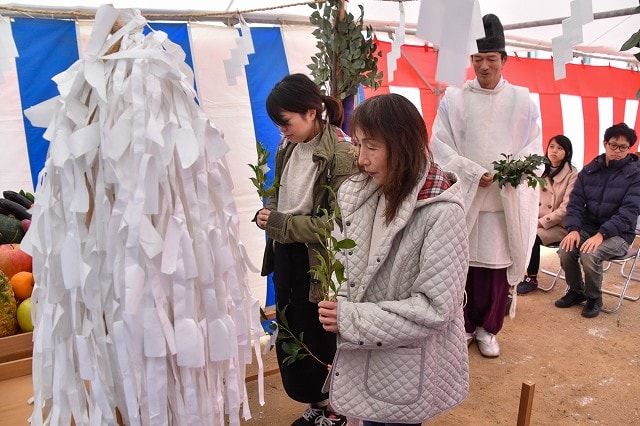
(487,343)
(470,337)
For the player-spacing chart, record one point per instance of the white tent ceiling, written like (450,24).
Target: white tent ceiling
(601,36)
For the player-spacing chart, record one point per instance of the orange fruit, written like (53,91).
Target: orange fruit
(22,283)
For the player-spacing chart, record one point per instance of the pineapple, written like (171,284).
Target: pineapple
(8,308)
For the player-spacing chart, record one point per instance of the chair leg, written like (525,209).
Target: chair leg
(622,294)
(555,275)
(624,274)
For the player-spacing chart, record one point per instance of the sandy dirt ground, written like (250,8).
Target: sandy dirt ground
(585,371)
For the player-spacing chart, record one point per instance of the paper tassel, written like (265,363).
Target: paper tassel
(562,46)
(234,66)
(396,45)
(7,47)
(453,26)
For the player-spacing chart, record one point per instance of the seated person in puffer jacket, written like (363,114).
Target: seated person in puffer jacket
(601,218)
(402,353)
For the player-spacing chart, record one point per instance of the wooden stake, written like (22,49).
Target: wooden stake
(526,403)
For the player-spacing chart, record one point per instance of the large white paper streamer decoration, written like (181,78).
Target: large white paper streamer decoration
(143,313)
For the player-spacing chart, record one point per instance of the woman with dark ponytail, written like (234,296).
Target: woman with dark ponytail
(560,176)
(314,153)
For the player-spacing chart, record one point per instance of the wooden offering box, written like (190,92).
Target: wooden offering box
(15,355)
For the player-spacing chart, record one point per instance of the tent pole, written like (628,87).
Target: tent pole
(558,21)
(251,17)
(422,77)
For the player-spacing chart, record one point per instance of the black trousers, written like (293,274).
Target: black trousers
(304,378)
(534,262)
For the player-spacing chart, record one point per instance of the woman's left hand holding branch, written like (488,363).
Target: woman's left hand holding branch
(328,310)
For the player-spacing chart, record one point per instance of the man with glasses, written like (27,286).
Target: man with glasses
(601,218)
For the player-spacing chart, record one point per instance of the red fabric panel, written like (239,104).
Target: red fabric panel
(536,74)
(551,114)
(382,90)
(417,68)
(581,80)
(429,102)
(591,128)
(618,110)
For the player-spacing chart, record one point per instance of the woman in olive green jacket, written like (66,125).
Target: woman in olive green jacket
(312,155)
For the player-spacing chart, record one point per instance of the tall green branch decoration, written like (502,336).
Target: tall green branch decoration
(514,171)
(347,53)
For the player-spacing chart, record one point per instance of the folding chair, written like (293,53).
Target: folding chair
(560,276)
(632,256)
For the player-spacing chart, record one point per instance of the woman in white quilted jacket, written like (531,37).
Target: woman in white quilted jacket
(402,354)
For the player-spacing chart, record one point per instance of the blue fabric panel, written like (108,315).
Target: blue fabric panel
(266,67)
(46,48)
(179,34)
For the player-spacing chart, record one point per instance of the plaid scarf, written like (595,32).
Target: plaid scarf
(437,182)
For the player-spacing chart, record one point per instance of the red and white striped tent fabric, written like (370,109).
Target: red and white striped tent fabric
(581,106)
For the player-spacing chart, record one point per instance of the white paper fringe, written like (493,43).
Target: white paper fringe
(234,66)
(8,50)
(396,45)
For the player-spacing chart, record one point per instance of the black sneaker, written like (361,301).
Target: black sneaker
(592,307)
(329,418)
(527,285)
(570,299)
(309,417)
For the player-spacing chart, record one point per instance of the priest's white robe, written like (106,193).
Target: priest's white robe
(473,127)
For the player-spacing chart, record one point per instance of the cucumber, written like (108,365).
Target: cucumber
(29,195)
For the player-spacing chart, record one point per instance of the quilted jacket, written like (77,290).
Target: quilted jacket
(606,199)
(402,354)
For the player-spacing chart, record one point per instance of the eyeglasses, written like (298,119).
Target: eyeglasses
(622,148)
